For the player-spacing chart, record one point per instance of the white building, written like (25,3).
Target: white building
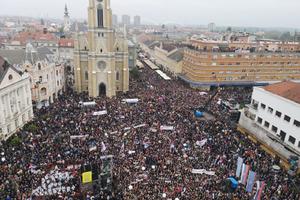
(275,113)
(47,77)
(66,50)
(15,99)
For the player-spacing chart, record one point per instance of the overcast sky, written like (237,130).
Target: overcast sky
(258,13)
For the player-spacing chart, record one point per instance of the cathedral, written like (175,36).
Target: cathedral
(101,55)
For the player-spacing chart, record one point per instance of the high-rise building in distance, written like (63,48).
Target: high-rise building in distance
(115,20)
(126,20)
(137,20)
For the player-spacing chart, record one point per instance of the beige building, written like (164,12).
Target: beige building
(167,56)
(15,97)
(235,69)
(101,56)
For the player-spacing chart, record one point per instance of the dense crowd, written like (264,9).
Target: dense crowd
(149,163)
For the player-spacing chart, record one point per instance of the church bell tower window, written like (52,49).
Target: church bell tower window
(100,16)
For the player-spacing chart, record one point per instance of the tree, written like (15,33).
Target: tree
(31,128)
(15,141)
(134,73)
(229,29)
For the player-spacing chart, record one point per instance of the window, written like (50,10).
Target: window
(263,106)
(56,72)
(99,34)
(8,129)
(259,120)
(17,123)
(299,144)
(255,104)
(282,135)
(10,77)
(278,114)
(296,123)
(292,140)
(287,118)
(100,16)
(43,91)
(270,110)
(86,75)
(274,129)
(267,124)
(41,79)
(23,118)
(118,76)
(39,66)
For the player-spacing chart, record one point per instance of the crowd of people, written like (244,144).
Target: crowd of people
(149,162)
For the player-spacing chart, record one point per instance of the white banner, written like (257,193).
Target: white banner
(99,113)
(130,100)
(167,128)
(201,143)
(203,171)
(91,103)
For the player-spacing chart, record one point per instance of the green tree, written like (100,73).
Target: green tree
(31,128)
(15,141)
(134,73)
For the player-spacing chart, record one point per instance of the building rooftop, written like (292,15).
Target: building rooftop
(286,89)
(63,42)
(19,56)
(4,66)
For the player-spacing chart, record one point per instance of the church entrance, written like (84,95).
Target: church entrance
(102,89)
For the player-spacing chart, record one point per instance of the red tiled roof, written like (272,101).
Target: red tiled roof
(66,42)
(24,37)
(287,89)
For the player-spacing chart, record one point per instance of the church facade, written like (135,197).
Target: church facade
(101,55)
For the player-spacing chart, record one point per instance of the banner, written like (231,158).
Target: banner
(239,167)
(87,177)
(201,143)
(203,171)
(166,128)
(94,148)
(99,113)
(140,126)
(250,181)
(130,101)
(91,103)
(259,190)
(103,147)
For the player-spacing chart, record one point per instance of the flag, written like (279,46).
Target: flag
(103,147)
(201,143)
(259,190)
(250,181)
(239,167)
(245,172)
(94,148)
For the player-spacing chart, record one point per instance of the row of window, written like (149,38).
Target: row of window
(279,114)
(274,129)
